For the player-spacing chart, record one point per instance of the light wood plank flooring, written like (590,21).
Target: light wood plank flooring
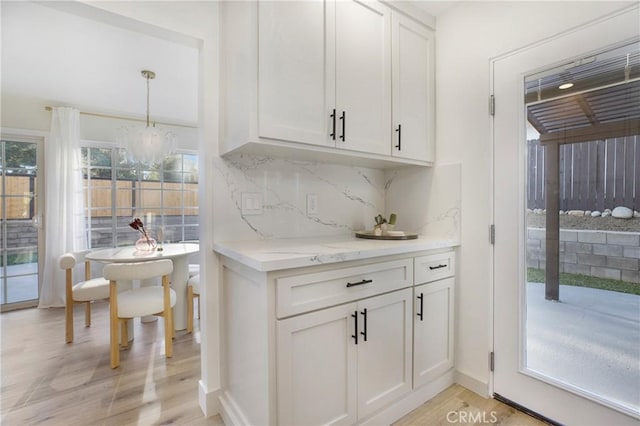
(48,382)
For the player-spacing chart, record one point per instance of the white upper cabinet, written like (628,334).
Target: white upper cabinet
(296,68)
(363,76)
(413,89)
(313,80)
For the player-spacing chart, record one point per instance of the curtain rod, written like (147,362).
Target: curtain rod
(118,117)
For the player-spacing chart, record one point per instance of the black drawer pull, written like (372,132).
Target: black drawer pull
(344,124)
(359,283)
(437,267)
(364,332)
(399,130)
(333,125)
(421,298)
(354,315)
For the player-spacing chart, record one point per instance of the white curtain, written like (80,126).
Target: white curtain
(64,216)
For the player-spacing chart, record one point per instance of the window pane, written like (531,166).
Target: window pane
(172,177)
(20,155)
(173,163)
(153,192)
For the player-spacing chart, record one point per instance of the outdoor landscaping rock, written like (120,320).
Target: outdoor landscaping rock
(596,214)
(621,212)
(606,213)
(576,213)
(636,214)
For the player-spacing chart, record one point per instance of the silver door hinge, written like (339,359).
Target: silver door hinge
(492,234)
(492,105)
(491,361)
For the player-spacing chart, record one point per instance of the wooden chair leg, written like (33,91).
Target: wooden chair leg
(124,333)
(68,313)
(87,314)
(189,309)
(113,319)
(68,308)
(168,322)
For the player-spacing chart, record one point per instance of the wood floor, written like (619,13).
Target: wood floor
(48,382)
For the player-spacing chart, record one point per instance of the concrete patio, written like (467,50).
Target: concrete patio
(590,339)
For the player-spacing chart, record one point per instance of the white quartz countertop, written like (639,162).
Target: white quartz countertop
(277,254)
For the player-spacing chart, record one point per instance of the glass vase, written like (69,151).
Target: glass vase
(146,244)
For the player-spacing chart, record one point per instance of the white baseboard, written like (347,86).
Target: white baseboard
(209,400)
(412,401)
(229,411)
(473,384)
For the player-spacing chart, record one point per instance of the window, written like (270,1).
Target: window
(164,195)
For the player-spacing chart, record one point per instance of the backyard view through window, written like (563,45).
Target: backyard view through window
(583,228)
(164,195)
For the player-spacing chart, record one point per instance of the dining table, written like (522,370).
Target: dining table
(179,254)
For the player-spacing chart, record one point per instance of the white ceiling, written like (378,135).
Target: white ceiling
(435,8)
(71,60)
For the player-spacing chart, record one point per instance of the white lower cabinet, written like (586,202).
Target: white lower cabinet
(433,330)
(347,343)
(341,364)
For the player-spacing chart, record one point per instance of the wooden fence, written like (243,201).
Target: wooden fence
(593,175)
(130,197)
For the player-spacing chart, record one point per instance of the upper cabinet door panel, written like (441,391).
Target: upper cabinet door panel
(363,76)
(413,89)
(295,62)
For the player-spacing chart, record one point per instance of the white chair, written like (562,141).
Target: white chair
(193,291)
(139,302)
(194,269)
(81,292)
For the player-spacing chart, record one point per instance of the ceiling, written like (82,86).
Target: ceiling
(436,8)
(68,59)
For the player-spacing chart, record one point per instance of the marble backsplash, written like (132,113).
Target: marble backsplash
(427,201)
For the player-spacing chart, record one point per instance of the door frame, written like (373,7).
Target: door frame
(550,57)
(39,138)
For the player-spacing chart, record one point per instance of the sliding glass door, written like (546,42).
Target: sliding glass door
(19,223)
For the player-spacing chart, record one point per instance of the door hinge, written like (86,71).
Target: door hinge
(492,233)
(491,361)
(492,105)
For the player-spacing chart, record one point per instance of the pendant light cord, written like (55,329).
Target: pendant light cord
(147,100)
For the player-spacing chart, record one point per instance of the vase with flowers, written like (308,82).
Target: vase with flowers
(145,243)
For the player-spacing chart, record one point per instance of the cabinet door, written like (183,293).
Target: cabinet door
(384,357)
(413,89)
(296,83)
(363,76)
(433,330)
(316,374)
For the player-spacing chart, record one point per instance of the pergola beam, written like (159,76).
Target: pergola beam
(616,129)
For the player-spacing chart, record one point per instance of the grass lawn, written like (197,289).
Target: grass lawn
(537,276)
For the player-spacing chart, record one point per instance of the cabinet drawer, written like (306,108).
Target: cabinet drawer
(307,292)
(434,267)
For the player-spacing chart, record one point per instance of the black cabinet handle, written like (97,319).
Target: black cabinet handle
(399,130)
(437,267)
(333,125)
(359,283)
(364,328)
(354,315)
(421,299)
(344,121)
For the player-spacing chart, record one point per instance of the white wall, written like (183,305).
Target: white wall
(467,37)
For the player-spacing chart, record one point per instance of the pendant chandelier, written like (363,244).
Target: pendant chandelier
(147,144)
